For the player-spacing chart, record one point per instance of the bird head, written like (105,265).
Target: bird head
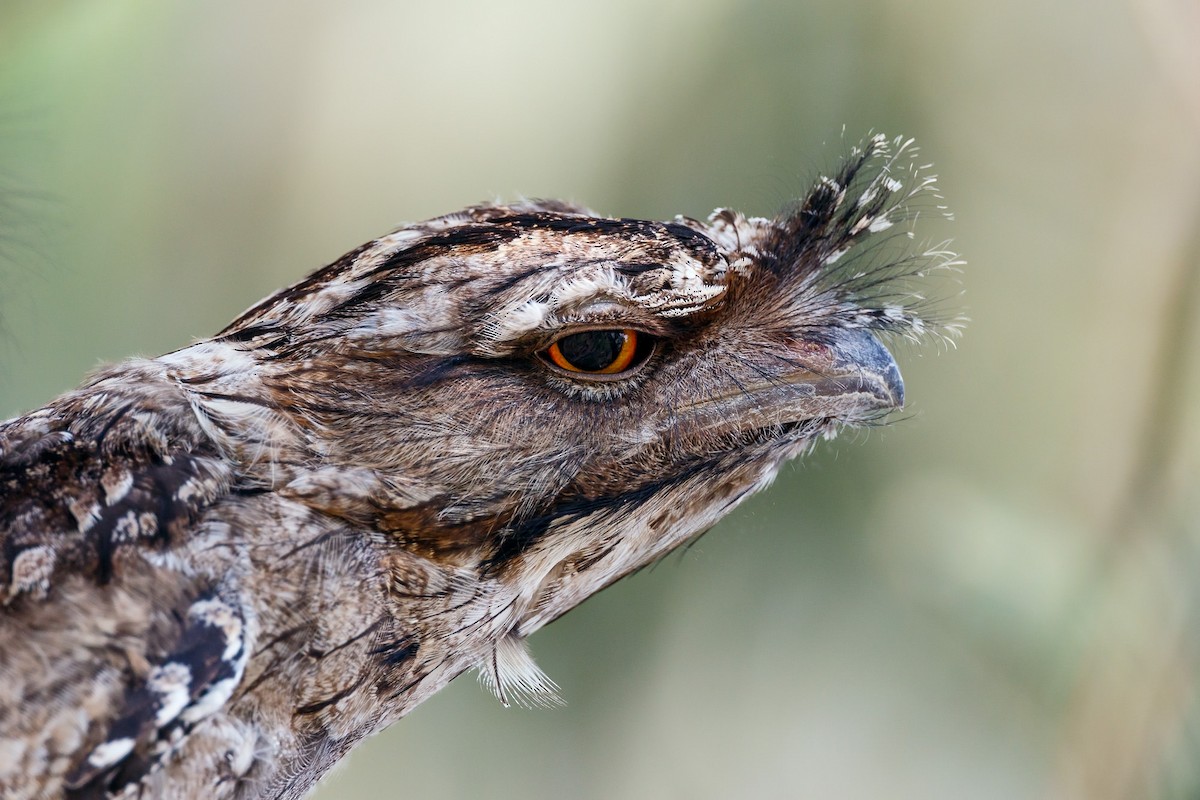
(552,398)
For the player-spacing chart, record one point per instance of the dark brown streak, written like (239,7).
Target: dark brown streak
(313,708)
(372,628)
(320,538)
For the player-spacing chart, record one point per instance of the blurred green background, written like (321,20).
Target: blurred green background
(995,597)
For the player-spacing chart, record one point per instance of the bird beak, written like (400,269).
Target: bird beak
(858,366)
(845,375)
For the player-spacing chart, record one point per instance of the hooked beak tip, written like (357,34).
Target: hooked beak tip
(866,365)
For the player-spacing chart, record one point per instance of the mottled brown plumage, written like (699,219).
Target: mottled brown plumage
(222,568)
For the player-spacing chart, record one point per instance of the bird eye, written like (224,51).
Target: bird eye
(600,352)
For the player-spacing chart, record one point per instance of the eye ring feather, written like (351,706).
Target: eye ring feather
(599,353)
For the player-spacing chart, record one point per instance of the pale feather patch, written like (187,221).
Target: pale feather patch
(834,256)
(338,490)
(12,753)
(388,322)
(213,358)
(172,682)
(513,323)
(516,322)
(405,237)
(513,677)
(589,287)
(31,571)
(216,696)
(111,753)
(334,294)
(219,614)
(116,485)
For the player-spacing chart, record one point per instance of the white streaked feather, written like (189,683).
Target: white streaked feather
(513,677)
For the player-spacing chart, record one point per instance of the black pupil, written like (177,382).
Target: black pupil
(592,351)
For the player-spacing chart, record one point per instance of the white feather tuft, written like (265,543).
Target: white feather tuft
(513,677)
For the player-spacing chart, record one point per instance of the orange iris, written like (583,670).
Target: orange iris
(599,352)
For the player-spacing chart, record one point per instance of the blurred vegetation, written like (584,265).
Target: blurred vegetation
(994,598)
